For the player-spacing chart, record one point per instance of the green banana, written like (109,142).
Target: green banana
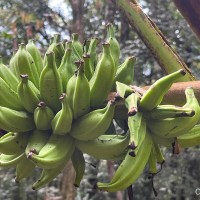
(114,45)
(91,50)
(79,92)
(130,169)
(136,124)
(77,46)
(7,75)
(48,175)
(7,161)
(36,55)
(78,162)
(66,68)
(36,141)
(131,103)
(159,156)
(28,94)
(105,147)
(54,41)
(174,127)
(50,83)
(62,122)
(191,138)
(59,52)
(24,168)
(43,115)
(123,90)
(125,71)
(12,143)
(154,95)
(152,162)
(94,123)
(9,97)
(88,69)
(23,63)
(169,111)
(54,152)
(15,121)
(102,80)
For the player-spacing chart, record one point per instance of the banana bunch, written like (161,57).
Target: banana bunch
(55,108)
(152,125)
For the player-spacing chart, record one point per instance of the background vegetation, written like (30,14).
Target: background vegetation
(22,20)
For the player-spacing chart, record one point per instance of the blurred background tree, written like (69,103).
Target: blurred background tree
(39,19)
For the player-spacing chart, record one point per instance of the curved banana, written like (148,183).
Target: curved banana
(125,71)
(77,46)
(23,63)
(131,103)
(28,94)
(154,95)
(54,152)
(48,175)
(191,138)
(24,168)
(92,51)
(88,69)
(130,169)
(7,75)
(102,80)
(7,161)
(174,127)
(59,52)
(152,162)
(36,55)
(78,162)
(114,45)
(43,115)
(123,90)
(15,121)
(169,111)
(12,143)
(9,97)
(105,147)
(36,141)
(66,68)
(93,124)
(50,83)
(62,122)
(80,96)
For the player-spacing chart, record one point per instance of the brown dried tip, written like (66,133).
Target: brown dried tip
(41,104)
(33,151)
(132,153)
(30,154)
(132,146)
(175,147)
(183,72)
(132,111)
(117,97)
(62,96)
(23,76)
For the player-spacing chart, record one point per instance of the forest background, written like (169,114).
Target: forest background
(22,20)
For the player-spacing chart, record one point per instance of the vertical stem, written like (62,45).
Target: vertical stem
(153,38)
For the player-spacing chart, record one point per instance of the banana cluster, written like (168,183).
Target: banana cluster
(55,108)
(152,125)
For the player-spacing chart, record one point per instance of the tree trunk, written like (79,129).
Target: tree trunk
(78,22)
(191,12)
(67,187)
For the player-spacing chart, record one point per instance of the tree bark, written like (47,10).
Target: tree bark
(78,13)
(191,12)
(67,188)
